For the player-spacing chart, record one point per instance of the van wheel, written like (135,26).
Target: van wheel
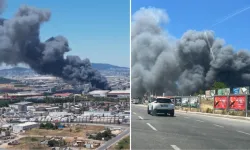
(153,112)
(148,111)
(172,113)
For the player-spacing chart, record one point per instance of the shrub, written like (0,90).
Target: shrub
(209,110)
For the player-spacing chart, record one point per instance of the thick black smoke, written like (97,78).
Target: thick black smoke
(20,43)
(183,66)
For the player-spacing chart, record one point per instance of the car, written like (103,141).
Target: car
(136,101)
(161,105)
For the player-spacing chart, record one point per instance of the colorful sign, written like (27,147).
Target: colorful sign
(184,102)
(220,102)
(172,99)
(207,93)
(241,90)
(225,91)
(210,93)
(237,102)
(193,101)
(236,90)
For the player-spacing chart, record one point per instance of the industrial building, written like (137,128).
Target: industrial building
(24,126)
(99,93)
(21,106)
(119,94)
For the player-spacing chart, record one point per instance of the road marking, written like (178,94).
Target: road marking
(134,113)
(151,126)
(218,125)
(140,117)
(175,147)
(186,117)
(244,132)
(199,120)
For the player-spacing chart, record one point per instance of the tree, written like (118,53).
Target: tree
(200,92)
(218,85)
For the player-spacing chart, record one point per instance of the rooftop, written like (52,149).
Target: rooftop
(23,103)
(120,92)
(98,92)
(27,124)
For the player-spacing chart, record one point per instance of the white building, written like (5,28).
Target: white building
(25,126)
(119,93)
(99,93)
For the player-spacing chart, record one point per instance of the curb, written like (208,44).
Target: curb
(217,115)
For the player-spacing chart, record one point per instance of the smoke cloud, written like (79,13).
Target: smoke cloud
(20,43)
(181,66)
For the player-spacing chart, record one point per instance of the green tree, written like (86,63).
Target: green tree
(218,85)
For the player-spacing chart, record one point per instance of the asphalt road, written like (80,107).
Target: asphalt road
(109,143)
(187,131)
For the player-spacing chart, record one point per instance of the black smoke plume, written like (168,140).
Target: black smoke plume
(20,43)
(162,64)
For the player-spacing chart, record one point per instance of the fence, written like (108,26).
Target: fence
(90,119)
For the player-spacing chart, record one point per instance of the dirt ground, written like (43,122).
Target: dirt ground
(33,143)
(75,131)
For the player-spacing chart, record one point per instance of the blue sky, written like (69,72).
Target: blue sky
(96,29)
(202,14)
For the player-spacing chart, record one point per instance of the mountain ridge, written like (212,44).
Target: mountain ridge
(98,66)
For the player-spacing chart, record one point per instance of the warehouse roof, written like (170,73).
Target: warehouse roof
(23,103)
(120,92)
(98,92)
(26,124)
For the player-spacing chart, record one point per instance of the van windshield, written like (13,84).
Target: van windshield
(163,100)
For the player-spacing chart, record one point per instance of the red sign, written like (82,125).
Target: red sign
(237,102)
(220,102)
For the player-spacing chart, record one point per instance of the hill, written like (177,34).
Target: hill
(5,80)
(101,66)
(105,69)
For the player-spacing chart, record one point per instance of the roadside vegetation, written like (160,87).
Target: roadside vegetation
(103,135)
(123,144)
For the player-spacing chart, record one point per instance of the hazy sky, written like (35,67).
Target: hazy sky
(202,14)
(96,29)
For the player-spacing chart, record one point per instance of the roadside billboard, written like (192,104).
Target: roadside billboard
(207,93)
(210,93)
(220,102)
(184,102)
(237,102)
(177,101)
(241,90)
(225,91)
(172,99)
(193,101)
(236,90)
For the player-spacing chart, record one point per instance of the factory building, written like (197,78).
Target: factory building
(99,93)
(24,126)
(119,94)
(21,106)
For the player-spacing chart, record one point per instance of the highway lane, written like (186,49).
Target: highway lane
(187,131)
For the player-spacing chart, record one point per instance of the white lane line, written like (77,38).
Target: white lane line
(175,147)
(218,125)
(140,117)
(186,117)
(134,113)
(244,132)
(151,126)
(199,120)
